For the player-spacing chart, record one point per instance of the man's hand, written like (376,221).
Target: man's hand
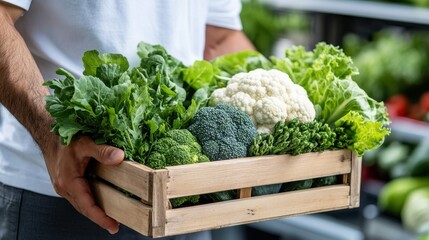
(22,93)
(67,168)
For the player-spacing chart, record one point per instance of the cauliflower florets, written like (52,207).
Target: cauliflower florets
(267,96)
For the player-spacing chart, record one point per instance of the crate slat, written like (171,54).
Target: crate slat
(217,215)
(186,180)
(125,210)
(355,178)
(130,176)
(153,216)
(160,203)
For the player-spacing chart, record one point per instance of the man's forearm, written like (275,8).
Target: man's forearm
(221,41)
(21,90)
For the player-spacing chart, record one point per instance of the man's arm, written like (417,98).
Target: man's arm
(220,41)
(22,93)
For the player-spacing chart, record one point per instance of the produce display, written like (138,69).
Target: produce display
(406,196)
(164,113)
(390,63)
(263,26)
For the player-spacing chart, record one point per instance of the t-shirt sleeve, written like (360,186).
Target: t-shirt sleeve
(24,4)
(224,13)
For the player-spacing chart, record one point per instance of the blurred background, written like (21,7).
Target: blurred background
(388,41)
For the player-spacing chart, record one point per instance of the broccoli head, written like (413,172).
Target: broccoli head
(177,147)
(224,132)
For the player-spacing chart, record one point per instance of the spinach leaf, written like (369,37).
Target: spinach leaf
(123,107)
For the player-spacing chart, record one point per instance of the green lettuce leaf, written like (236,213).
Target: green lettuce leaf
(199,75)
(92,60)
(366,135)
(326,74)
(126,108)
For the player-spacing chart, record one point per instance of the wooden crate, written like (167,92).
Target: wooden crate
(152,216)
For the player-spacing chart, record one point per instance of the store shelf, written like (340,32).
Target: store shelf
(409,130)
(316,226)
(355,8)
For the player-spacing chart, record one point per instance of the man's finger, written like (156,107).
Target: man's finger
(105,154)
(84,201)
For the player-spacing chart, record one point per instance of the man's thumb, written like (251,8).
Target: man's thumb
(108,154)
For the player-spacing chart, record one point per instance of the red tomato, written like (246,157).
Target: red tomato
(424,102)
(397,106)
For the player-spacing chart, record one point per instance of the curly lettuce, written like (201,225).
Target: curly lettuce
(326,74)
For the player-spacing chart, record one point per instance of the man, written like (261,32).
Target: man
(37,37)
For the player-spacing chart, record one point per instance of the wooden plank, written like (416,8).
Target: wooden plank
(244,192)
(125,210)
(355,180)
(186,180)
(240,211)
(346,179)
(130,176)
(160,203)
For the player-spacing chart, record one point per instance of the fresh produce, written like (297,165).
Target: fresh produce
(127,108)
(424,236)
(398,105)
(267,96)
(324,181)
(220,196)
(390,63)
(266,189)
(263,26)
(157,111)
(223,131)
(418,161)
(294,137)
(392,154)
(326,74)
(393,195)
(296,185)
(177,147)
(411,107)
(415,213)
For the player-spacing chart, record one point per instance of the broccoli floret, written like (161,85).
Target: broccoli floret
(177,147)
(224,132)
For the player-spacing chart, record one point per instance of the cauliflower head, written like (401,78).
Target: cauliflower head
(267,96)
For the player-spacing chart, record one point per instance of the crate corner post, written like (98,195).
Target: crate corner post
(355,180)
(160,203)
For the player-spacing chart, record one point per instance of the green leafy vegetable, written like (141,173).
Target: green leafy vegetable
(390,64)
(364,134)
(326,74)
(127,108)
(263,26)
(295,137)
(244,61)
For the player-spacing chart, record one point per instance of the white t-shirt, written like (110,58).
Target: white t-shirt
(58,32)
